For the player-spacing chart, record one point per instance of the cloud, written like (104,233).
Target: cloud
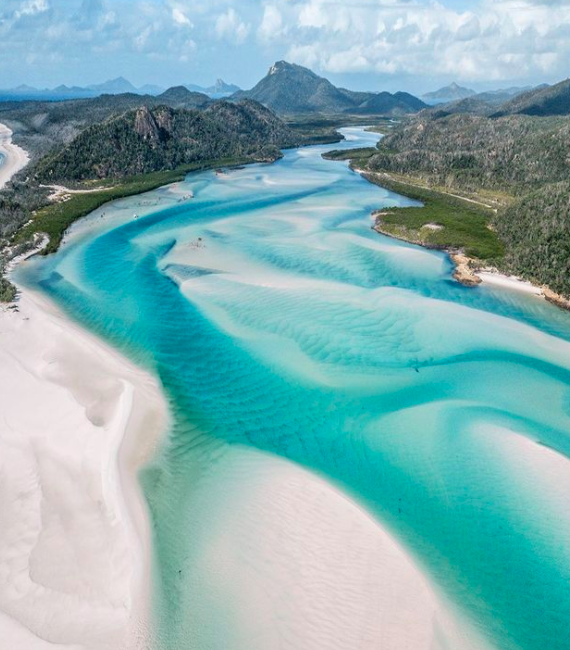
(271,26)
(180,18)
(230,27)
(32,7)
(470,40)
(492,40)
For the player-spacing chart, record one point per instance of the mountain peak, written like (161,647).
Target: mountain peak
(277,67)
(448,93)
(289,88)
(180,96)
(114,86)
(284,66)
(221,88)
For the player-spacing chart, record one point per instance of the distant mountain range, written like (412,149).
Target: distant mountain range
(456,93)
(491,103)
(292,89)
(218,90)
(117,86)
(447,94)
(504,94)
(541,101)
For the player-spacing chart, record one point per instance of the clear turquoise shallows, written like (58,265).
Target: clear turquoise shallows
(277,319)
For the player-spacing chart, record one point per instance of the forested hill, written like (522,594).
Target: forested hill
(471,152)
(40,126)
(522,162)
(162,138)
(543,102)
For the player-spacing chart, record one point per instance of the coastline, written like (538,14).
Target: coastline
(412,628)
(15,158)
(75,542)
(469,271)
(75,546)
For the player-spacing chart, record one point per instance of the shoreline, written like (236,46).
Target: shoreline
(468,271)
(75,546)
(15,158)
(354,584)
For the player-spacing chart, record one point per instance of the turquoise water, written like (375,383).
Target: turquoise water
(277,319)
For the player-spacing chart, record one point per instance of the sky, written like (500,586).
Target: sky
(413,45)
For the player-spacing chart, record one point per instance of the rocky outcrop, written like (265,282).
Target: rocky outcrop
(154,128)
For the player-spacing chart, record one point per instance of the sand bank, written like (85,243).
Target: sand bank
(77,420)
(12,157)
(293,563)
(509,282)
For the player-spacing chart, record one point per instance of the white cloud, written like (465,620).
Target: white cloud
(492,40)
(32,7)
(186,50)
(479,40)
(180,18)
(271,26)
(230,27)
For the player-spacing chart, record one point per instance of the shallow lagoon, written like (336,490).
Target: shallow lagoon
(279,322)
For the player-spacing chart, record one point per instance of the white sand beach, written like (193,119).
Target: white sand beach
(293,563)
(509,282)
(12,157)
(77,421)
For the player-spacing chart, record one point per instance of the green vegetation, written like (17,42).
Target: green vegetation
(516,166)
(444,221)
(536,231)
(55,219)
(470,152)
(323,129)
(315,130)
(541,101)
(159,139)
(91,146)
(41,126)
(351,154)
(7,289)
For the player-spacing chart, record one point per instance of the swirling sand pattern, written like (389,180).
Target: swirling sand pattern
(277,320)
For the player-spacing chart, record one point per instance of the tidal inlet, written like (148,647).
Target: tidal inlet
(360,452)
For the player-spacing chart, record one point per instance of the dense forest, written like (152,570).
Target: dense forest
(149,140)
(518,163)
(40,126)
(536,230)
(472,152)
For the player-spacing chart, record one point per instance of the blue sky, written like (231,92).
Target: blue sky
(412,45)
